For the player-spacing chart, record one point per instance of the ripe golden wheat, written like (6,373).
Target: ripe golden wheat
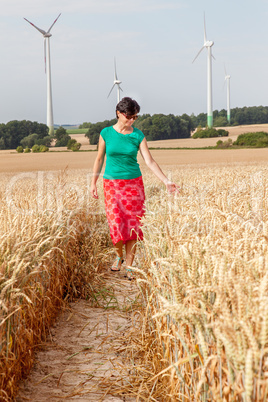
(202,274)
(52,245)
(205,282)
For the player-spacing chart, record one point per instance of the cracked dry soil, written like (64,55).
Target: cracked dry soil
(85,347)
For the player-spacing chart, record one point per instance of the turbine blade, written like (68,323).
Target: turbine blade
(120,88)
(115,73)
(45,54)
(110,91)
(213,56)
(54,23)
(38,29)
(225,70)
(198,53)
(205,34)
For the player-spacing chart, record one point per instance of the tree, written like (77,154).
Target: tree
(259,139)
(220,121)
(19,149)
(201,120)
(44,141)
(62,137)
(39,128)
(224,144)
(73,145)
(95,129)
(60,132)
(36,148)
(210,132)
(76,147)
(15,131)
(2,143)
(29,141)
(144,123)
(190,122)
(156,127)
(43,148)
(162,127)
(85,125)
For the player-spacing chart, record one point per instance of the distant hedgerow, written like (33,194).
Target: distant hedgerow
(73,145)
(224,144)
(43,148)
(210,133)
(19,149)
(36,148)
(258,140)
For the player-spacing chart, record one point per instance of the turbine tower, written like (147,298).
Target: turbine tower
(227,79)
(47,35)
(116,82)
(208,44)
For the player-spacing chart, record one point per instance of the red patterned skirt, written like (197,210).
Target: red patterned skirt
(124,205)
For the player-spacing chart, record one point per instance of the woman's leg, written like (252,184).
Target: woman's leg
(118,261)
(119,248)
(130,254)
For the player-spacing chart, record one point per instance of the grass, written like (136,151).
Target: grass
(77,131)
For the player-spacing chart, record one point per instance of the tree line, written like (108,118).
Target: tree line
(156,127)
(26,133)
(12,133)
(239,117)
(161,127)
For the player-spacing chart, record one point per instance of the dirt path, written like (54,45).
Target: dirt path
(85,348)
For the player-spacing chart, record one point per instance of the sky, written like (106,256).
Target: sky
(154,43)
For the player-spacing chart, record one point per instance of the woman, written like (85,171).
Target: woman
(122,180)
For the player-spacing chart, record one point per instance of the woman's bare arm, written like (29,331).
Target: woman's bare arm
(155,168)
(97,167)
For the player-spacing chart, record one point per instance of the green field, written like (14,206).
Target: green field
(77,131)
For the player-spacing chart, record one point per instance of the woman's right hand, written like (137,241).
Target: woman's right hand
(172,187)
(94,191)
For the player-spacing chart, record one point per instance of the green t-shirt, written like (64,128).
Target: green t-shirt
(121,153)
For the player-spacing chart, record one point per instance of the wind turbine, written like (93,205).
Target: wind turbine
(208,44)
(227,79)
(47,35)
(116,82)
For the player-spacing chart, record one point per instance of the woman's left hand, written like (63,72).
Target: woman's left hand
(172,187)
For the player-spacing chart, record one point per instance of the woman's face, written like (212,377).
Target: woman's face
(127,119)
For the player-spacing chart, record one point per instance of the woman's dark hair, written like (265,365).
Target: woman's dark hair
(128,106)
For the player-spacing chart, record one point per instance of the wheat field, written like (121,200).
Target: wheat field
(13,163)
(201,271)
(204,280)
(52,242)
